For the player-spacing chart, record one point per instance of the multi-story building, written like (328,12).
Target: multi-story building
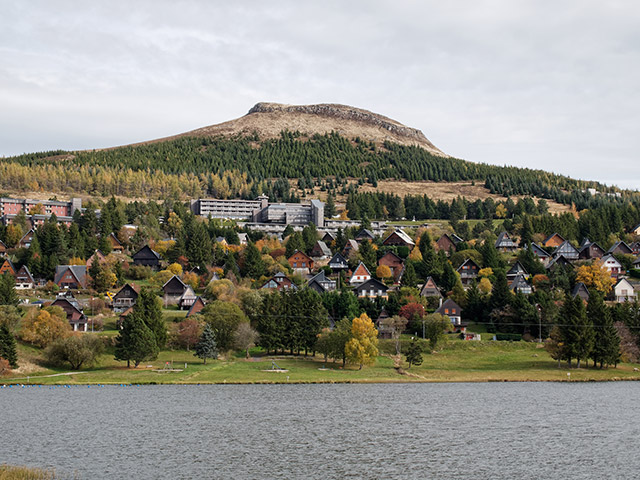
(38,210)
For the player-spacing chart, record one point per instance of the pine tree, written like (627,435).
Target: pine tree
(136,341)
(8,349)
(500,293)
(576,330)
(206,346)
(253,266)
(409,278)
(330,206)
(150,309)
(526,232)
(606,347)
(8,294)
(199,250)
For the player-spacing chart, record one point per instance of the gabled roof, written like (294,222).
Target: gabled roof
(580,289)
(24,275)
(364,233)
(590,245)
(585,243)
(504,241)
(188,293)
(70,303)
(114,240)
(30,233)
(610,258)
(361,270)
(539,251)
(517,269)
(300,252)
(326,251)
(559,260)
(171,280)
(321,280)
(3,247)
(448,304)
(620,247)
(566,249)
(391,254)
(214,277)
(519,282)
(197,306)
(551,236)
(339,259)
(6,265)
(78,271)
(431,286)
(351,244)
(145,249)
(403,236)
(625,281)
(375,283)
(128,286)
(470,262)
(331,237)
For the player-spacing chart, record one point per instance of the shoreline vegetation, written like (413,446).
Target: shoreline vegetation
(455,362)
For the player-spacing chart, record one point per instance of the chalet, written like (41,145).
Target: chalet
(567,250)
(75,316)
(553,241)
(515,270)
(371,289)
(542,254)
(321,284)
(116,245)
(320,250)
(636,230)
(394,262)
(125,298)
(173,290)
(97,256)
(468,271)
(559,261)
(328,238)
(279,282)
(590,250)
(360,275)
(504,243)
(613,266)
(580,290)
(520,284)
(350,246)
(338,263)
(196,307)
(365,234)
(448,242)
(24,279)
(430,289)
(452,310)
(300,262)
(399,239)
(71,276)
(3,248)
(635,248)
(623,291)
(7,267)
(146,257)
(620,248)
(382,331)
(243,238)
(214,277)
(27,238)
(187,299)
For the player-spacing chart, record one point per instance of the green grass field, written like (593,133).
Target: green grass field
(456,361)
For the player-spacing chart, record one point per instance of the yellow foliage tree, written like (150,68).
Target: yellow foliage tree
(175,268)
(383,271)
(191,279)
(485,285)
(162,277)
(501,211)
(43,327)
(415,254)
(595,276)
(485,272)
(362,348)
(76,261)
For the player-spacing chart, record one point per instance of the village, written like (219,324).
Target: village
(217,252)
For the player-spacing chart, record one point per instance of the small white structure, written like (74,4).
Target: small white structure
(624,291)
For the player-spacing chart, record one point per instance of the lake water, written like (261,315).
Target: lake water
(461,431)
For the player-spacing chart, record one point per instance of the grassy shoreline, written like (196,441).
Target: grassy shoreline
(457,361)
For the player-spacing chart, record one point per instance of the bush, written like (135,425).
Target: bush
(76,350)
(139,272)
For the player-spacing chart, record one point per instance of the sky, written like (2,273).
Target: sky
(541,84)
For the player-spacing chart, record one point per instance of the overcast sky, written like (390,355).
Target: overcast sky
(544,84)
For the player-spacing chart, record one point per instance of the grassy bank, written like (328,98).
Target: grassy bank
(457,361)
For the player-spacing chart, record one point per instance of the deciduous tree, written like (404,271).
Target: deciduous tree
(362,348)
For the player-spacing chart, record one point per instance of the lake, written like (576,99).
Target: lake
(465,431)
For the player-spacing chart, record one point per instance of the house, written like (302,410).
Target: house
(620,248)
(636,230)
(187,299)
(125,298)
(504,243)
(300,262)
(554,240)
(560,260)
(328,238)
(613,266)
(97,256)
(214,277)
(196,307)
(520,284)
(338,263)
(3,248)
(321,284)
(71,276)
(360,275)
(567,250)
(27,238)
(452,310)
(365,234)
(320,250)
(243,238)
(515,270)
(279,282)
(371,289)
(623,291)
(24,279)
(448,243)
(350,246)
(394,262)
(430,289)
(590,250)
(7,267)
(146,257)
(635,248)
(173,290)
(539,252)
(399,239)
(580,290)
(75,316)
(116,245)
(468,271)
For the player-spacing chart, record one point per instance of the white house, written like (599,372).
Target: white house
(624,291)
